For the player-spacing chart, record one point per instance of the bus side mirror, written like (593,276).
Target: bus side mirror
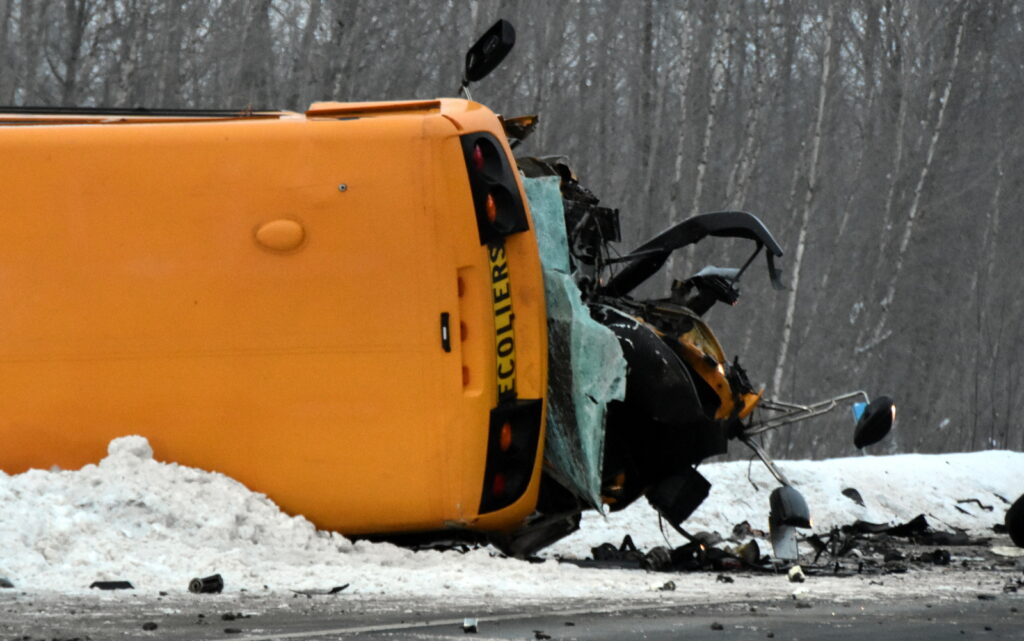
(874,421)
(488,52)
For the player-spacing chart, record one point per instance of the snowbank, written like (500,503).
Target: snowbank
(160,524)
(894,489)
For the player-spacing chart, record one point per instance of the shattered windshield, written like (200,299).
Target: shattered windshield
(586,368)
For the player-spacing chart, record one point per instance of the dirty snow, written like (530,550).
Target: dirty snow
(160,524)
(954,491)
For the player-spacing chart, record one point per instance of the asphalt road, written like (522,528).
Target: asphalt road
(996,617)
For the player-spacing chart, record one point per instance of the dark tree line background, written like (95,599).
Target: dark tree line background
(880,140)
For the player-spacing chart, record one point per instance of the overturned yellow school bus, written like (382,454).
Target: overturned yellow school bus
(342,308)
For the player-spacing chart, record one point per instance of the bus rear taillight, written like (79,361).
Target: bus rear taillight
(505,437)
(478,157)
(514,434)
(492,180)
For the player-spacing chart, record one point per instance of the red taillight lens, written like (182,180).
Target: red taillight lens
(478,157)
(505,439)
(498,486)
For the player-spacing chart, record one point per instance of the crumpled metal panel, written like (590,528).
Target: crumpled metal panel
(586,368)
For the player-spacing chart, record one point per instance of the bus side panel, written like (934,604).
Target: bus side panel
(136,299)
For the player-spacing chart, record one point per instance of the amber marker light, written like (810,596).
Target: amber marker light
(491,208)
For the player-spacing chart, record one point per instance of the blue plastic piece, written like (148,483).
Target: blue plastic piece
(858,410)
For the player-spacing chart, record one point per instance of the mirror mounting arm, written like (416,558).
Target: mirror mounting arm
(793,412)
(767,460)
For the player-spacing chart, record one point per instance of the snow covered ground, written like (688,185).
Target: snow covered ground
(893,489)
(160,524)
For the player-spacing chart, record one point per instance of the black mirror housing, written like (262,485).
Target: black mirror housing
(488,52)
(788,507)
(875,422)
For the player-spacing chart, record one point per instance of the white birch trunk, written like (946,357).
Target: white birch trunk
(915,206)
(812,185)
(743,170)
(717,84)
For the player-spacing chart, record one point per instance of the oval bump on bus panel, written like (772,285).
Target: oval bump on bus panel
(281,235)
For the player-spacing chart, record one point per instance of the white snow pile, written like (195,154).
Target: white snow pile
(160,524)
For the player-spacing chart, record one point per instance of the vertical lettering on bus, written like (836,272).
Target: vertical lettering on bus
(504,332)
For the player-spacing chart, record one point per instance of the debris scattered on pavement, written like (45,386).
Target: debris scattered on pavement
(693,556)
(112,585)
(937,556)
(749,552)
(987,508)
(311,593)
(854,495)
(743,530)
(796,574)
(213,584)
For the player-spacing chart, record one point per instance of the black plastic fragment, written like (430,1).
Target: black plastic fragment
(676,497)
(854,495)
(917,525)
(112,585)
(335,590)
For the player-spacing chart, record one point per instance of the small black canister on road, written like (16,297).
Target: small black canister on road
(209,584)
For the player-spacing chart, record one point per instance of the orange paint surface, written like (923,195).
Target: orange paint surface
(261,297)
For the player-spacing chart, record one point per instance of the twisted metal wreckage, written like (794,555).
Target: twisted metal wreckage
(640,389)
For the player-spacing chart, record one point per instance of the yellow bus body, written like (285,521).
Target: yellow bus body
(261,296)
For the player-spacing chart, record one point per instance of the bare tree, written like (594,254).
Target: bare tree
(878,139)
(827,63)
